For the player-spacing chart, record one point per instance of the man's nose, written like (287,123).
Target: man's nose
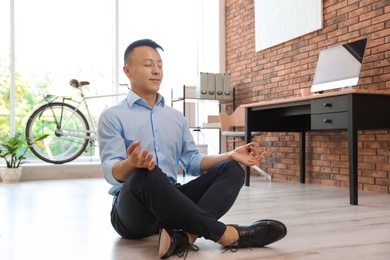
(156,70)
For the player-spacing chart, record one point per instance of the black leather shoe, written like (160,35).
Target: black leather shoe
(259,234)
(174,242)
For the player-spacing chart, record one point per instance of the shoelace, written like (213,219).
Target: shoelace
(233,247)
(183,251)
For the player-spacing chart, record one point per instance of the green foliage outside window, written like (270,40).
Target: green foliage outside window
(28,96)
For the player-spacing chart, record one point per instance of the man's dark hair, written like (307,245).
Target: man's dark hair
(139,43)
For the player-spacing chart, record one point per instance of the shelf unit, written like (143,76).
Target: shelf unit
(194,110)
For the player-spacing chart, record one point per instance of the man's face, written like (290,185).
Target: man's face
(144,70)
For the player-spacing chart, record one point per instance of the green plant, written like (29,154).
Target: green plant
(14,148)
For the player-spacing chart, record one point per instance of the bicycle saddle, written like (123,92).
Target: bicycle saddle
(76,84)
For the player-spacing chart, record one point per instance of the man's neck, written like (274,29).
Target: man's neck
(149,98)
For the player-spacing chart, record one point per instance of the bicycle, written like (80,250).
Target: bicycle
(71,132)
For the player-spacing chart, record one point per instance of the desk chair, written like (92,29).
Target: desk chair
(237,120)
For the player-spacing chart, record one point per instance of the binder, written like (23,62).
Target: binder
(211,85)
(202,86)
(219,86)
(227,92)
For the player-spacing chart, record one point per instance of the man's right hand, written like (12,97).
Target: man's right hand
(138,159)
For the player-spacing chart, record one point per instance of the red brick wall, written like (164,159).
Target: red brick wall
(281,71)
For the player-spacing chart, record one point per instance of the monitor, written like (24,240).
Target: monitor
(339,66)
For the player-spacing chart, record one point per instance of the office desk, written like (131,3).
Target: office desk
(350,110)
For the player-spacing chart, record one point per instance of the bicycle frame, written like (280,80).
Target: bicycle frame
(71,130)
(61,127)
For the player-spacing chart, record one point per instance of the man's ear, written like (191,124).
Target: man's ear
(126,71)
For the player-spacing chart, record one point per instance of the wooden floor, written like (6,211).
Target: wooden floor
(69,219)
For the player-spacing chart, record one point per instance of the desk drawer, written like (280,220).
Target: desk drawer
(329,105)
(329,121)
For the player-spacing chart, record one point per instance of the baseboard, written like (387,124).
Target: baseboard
(61,171)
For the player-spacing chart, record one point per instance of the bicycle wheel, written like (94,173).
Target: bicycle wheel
(65,142)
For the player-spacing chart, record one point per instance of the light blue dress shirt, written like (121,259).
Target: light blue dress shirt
(163,131)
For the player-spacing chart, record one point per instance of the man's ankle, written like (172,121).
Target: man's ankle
(191,237)
(230,236)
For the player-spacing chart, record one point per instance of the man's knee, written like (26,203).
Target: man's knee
(235,170)
(142,177)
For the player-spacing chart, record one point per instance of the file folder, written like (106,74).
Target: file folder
(227,92)
(202,86)
(211,85)
(219,86)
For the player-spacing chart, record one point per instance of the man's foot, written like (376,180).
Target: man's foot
(174,242)
(259,234)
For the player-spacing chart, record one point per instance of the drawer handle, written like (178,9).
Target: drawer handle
(327,121)
(327,104)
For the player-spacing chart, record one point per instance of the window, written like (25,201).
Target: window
(55,41)
(172,24)
(4,66)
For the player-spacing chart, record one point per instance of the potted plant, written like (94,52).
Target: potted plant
(13,151)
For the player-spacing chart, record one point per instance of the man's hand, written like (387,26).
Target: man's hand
(138,159)
(247,155)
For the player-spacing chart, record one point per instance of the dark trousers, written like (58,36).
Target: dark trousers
(148,201)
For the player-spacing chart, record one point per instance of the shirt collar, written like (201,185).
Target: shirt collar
(134,98)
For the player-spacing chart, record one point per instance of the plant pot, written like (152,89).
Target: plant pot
(11,175)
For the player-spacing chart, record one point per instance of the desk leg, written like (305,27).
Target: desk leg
(353,165)
(247,175)
(302,155)
(248,139)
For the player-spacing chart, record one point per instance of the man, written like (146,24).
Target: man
(142,141)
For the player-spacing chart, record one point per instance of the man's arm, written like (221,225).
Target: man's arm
(245,154)
(135,159)
(122,169)
(210,161)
